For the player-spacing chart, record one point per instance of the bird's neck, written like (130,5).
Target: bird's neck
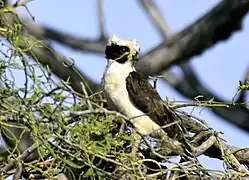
(117,69)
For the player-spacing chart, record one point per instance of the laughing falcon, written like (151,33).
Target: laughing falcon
(129,93)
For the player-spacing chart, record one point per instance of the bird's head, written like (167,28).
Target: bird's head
(121,50)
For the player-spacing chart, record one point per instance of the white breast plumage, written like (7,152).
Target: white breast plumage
(114,82)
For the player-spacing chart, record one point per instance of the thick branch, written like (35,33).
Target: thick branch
(156,17)
(64,68)
(86,45)
(216,25)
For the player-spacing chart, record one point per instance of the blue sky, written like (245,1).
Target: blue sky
(220,67)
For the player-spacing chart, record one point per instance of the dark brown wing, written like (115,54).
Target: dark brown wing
(146,99)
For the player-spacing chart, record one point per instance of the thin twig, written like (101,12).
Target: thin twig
(199,104)
(26,77)
(86,95)
(96,111)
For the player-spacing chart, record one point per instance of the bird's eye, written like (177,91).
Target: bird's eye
(124,49)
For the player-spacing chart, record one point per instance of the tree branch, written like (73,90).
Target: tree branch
(216,25)
(191,87)
(85,45)
(100,12)
(156,17)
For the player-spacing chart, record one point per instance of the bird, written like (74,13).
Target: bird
(127,92)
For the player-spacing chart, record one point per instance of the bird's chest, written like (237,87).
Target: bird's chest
(115,77)
(114,82)
(115,85)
